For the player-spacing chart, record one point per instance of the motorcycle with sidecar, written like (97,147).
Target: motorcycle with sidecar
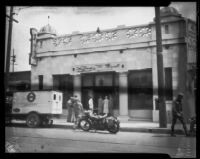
(92,121)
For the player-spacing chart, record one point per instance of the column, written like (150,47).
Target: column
(34,81)
(77,85)
(48,81)
(123,96)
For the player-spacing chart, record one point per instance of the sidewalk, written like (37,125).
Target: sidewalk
(133,126)
(129,126)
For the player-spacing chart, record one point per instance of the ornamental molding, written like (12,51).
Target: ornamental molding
(138,32)
(98,37)
(66,40)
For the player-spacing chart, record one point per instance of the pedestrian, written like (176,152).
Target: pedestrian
(90,102)
(78,111)
(177,113)
(192,125)
(110,105)
(100,105)
(105,105)
(73,117)
(69,109)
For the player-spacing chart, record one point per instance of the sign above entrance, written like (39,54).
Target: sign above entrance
(99,67)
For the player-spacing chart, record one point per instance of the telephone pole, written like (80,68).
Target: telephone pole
(161,75)
(9,45)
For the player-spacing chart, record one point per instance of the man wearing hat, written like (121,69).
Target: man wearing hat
(70,109)
(78,111)
(177,113)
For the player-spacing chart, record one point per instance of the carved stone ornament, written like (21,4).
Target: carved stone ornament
(138,32)
(62,41)
(98,37)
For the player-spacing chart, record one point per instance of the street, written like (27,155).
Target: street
(68,140)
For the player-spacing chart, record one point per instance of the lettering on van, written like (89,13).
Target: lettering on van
(31,97)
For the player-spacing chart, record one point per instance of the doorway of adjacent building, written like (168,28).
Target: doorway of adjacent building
(63,83)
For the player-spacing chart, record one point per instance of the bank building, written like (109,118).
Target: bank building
(119,62)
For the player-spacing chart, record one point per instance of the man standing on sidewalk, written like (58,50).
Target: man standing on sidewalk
(78,110)
(69,108)
(90,103)
(177,113)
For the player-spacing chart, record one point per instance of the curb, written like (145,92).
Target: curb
(123,129)
(128,129)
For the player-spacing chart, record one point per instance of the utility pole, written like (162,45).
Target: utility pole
(160,70)
(9,45)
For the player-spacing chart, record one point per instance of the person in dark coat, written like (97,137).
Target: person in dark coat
(100,105)
(110,105)
(69,108)
(78,111)
(177,113)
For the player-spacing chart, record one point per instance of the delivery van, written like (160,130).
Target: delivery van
(36,107)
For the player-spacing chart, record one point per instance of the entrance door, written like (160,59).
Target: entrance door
(86,93)
(99,84)
(103,91)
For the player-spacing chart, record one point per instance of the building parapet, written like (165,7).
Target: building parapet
(109,37)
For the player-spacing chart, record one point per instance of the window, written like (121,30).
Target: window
(166,29)
(40,82)
(54,97)
(168,84)
(140,89)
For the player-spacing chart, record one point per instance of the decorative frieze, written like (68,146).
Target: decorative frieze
(98,37)
(62,41)
(138,32)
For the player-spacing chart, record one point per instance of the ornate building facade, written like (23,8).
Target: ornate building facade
(118,62)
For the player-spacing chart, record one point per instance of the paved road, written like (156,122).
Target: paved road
(67,140)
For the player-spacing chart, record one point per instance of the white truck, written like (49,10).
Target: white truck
(36,107)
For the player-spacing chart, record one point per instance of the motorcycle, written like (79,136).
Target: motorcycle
(91,121)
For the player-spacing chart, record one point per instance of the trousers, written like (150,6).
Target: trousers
(180,118)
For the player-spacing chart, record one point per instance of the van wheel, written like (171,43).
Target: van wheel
(33,120)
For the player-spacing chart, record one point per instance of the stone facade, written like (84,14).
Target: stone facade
(121,50)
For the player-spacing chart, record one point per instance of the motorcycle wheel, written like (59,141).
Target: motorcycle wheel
(84,125)
(113,128)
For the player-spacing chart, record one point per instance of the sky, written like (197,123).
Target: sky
(83,19)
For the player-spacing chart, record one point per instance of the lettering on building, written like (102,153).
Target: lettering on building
(99,67)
